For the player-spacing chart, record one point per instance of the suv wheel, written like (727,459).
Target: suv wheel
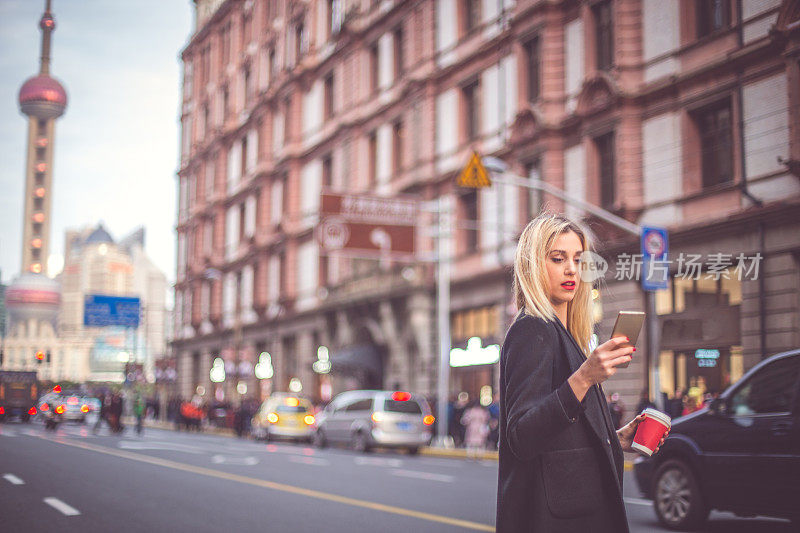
(359,442)
(678,502)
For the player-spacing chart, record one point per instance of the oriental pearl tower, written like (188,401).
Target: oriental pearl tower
(43,100)
(33,296)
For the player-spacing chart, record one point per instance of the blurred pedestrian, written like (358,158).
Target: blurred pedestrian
(139,412)
(676,404)
(476,424)
(644,402)
(494,421)
(102,415)
(457,430)
(115,413)
(617,409)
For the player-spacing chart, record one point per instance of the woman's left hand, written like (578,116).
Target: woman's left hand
(626,433)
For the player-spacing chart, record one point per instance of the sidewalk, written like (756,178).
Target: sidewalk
(430,451)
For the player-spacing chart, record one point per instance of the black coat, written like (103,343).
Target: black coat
(561,463)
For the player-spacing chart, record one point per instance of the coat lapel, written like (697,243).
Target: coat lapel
(598,420)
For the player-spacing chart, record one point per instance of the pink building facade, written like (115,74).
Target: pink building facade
(665,113)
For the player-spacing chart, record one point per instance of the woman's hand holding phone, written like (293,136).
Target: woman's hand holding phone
(603,361)
(600,365)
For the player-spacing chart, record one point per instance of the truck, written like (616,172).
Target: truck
(19,391)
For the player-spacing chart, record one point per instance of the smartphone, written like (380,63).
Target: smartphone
(628,324)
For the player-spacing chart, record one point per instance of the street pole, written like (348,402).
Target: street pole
(498,166)
(653,343)
(443,316)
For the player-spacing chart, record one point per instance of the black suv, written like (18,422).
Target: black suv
(740,454)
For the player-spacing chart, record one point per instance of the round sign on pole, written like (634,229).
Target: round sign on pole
(654,243)
(333,233)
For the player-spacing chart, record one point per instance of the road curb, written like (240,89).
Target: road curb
(430,451)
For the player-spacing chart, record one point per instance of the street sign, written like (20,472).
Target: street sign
(367,224)
(655,268)
(474,174)
(335,233)
(100,310)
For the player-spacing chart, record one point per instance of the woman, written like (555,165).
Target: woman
(561,459)
(476,423)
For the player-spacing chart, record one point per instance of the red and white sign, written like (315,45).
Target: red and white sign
(375,225)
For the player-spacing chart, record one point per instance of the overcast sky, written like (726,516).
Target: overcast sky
(116,147)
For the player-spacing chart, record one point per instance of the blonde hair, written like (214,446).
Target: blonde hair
(531,284)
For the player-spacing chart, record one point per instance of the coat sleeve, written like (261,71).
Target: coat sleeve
(536,408)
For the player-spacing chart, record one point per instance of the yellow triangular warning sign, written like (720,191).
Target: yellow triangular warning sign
(474,174)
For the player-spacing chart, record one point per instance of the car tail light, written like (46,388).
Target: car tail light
(84,408)
(57,389)
(401,396)
(60,409)
(309,420)
(428,420)
(377,416)
(44,407)
(2,411)
(32,411)
(272,418)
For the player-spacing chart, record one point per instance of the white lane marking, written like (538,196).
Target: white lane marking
(308,460)
(14,480)
(232,460)
(152,445)
(379,461)
(61,506)
(638,501)
(429,476)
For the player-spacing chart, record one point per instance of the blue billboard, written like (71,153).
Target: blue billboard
(100,310)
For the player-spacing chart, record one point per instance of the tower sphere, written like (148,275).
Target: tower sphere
(33,296)
(42,97)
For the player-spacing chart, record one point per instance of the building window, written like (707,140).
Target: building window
(472,14)
(534,196)
(243,166)
(472,109)
(287,104)
(398,143)
(248,85)
(374,61)
(373,158)
(470,204)
(399,60)
(247,30)
(282,284)
(225,37)
(327,172)
(714,131)
(328,104)
(242,222)
(532,62)
(604,29)
(605,164)
(712,16)
(273,64)
(300,44)
(226,102)
(206,119)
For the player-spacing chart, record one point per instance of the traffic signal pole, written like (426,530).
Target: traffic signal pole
(499,167)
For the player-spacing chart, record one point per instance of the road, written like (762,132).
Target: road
(73,480)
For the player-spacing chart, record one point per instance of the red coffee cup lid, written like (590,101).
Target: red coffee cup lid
(658,415)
